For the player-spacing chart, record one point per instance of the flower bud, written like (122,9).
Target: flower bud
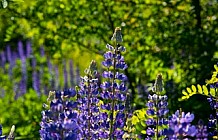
(158,85)
(117,36)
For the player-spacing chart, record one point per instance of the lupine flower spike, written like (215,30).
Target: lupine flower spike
(157,110)
(114,89)
(88,93)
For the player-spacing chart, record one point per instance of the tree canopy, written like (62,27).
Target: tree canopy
(177,38)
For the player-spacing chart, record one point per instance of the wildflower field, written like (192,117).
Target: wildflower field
(108,70)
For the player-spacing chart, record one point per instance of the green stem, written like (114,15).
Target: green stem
(62,134)
(89,113)
(180,116)
(157,119)
(113,93)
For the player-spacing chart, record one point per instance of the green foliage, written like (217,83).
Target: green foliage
(214,78)
(176,38)
(138,121)
(136,124)
(23,112)
(202,89)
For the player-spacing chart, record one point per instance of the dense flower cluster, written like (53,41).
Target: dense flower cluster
(89,113)
(97,110)
(43,75)
(59,122)
(156,110)
(180,126)
(114,89)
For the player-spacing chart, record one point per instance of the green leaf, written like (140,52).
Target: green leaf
(184,93)
(212,92)
(200,89)
(216,68)
(143,132)
(4,3)
(194,89)
(141,114)
(205,90)
(143,123)
(183,98)
(135,120)
(189,90)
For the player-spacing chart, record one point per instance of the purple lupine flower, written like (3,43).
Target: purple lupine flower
(77,75)
(212,124)
(180,126)
(28,49)
(21,50)
(114,89)
(42,69)
(42,51)
(150,131)
(3,59)
(10,60)
(60,120)
(51,72)
(71,73)
(23,82)
(9,55)
(12,65)
(157,110)
(57,85)
(35,77)
(65,75)
(88,99)
(212,102)
(202,133)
